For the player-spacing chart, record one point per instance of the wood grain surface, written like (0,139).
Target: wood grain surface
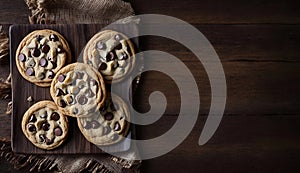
(77,37)
(258,43)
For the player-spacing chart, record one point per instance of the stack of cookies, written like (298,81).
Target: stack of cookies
(78,89)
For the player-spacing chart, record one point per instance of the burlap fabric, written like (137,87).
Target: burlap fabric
(66,12)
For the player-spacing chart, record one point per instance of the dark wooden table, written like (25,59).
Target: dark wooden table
(258,43)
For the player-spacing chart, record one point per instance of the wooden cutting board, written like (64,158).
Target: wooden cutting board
(77,37)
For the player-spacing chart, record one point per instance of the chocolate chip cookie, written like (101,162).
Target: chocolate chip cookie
(45,125)
(40,55)
(78,89)
(112,53)
(107,126)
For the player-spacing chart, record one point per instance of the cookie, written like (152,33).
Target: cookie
(112,53)
(44,125)
(40,55)
(107,126)
(78,89)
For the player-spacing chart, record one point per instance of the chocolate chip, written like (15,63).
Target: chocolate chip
(59,49)
(42,138)
(36,52)
(108,116)
(22,57)
(53,37)
(101,45)
(90,93)
(59,92)
(30,71)
(39,38)
(124,56)
(45,49)
(45,126)
(58,131)
(110,56)
(117,37)
(62,103)
(44,115)
(61,78)
(51,75)
(95,124)
(53,64)
(106,130)
(49,141)
(102,66)
(31,127)
(87,125)
(79,75)
(43,62)
(82,99)
(54,116)
(118,47)
(117,126)
(32,118)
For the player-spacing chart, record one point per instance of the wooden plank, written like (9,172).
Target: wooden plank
(217,11)
(14,12)
(241,144)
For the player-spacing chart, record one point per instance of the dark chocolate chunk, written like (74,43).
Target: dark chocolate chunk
(53,64)
(45,49)
(79,75)
(49,141)
(117,126)
(42,76)
(95,124)
(22,57)
(44,115)
(36,52)
(53,37)
(62,103)
(39,38)
(58,131)
(124,56)
(32,118)
(42,138)
(101,45)
(119,46)
(59,49)
(82,99)
(45,126)
(90,93)
(106,130)
(30,71)
(54,116)
(43,62)
(108,116)
(51,75)
(102,66)
(118,37)
(31,127)
(110,56)
(61,78)
(87,125)
(59,92)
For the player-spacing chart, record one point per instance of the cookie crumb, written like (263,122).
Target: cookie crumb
(30,99)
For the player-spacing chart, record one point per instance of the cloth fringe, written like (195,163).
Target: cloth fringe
(4,44)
